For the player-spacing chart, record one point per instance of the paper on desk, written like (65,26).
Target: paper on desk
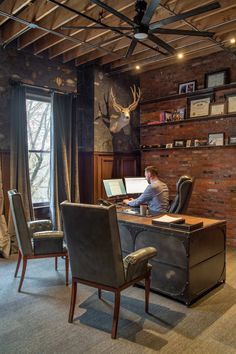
(168,219)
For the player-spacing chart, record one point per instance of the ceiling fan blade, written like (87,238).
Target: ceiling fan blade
(183,32)
(197,11)
(96,27)
(113,11)
(131,47)
(161,43)
(150,12)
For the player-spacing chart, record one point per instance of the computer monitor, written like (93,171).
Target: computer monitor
(135,185)
(114,187)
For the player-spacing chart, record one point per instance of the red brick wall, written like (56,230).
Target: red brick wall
(214,168)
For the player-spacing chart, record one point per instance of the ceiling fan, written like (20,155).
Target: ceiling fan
(142,28)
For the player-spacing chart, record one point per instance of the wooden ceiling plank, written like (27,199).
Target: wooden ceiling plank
(12,28)
(12,7)
(49,22)
(59,49)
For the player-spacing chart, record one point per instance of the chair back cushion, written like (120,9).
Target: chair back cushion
(184,188)
(19,220)
(93,240)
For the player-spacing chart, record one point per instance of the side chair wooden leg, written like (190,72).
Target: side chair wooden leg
(147,290)
(115,314)
(56,263)
(72,300)
(67,269)
(18,263)
(99,293)
(22,273)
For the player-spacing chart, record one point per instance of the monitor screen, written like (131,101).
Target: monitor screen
(114,187)
(135,185)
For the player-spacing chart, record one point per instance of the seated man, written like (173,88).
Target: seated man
(156,195)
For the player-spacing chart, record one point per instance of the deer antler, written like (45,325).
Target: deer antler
(115,105)
(136,97)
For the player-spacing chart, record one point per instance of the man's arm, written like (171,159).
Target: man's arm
(145,197)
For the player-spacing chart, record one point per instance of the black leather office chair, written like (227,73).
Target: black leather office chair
(184,188)
(93,241)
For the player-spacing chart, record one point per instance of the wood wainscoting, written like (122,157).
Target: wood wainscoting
(113,165)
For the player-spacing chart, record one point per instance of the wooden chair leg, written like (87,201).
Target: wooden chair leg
(72,300)
(115,314)
(67,269)
(22,273)
(99,293)
(18,263)
(56,263)
(147,290)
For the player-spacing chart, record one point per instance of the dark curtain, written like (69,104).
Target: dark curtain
(19,163)
(64,155)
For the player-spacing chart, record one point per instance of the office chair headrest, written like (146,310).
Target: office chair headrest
(181,180)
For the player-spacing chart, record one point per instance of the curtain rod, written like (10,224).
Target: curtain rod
(48,89)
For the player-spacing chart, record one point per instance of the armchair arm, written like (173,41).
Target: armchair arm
(136,263)
(48,242)
(39,225)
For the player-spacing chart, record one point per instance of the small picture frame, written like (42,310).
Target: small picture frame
(188,143)
(216,139)
(217,78)
(231,103)
(217,109)
(232,140)
(179,143)
(187,87)
(169,146)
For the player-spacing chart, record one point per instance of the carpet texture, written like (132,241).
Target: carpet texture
(36,320)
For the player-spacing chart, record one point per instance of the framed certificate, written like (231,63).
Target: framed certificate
(216,139)
(217,78)
(200,107)
(217,109)
(231,103)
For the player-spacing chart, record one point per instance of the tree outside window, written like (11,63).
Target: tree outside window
(38,128)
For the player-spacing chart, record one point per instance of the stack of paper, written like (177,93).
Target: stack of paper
(167,219)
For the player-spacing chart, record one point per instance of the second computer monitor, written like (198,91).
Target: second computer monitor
(114,187)
(135,185)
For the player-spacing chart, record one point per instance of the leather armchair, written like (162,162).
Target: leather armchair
(184,188)
(93,241)
(36,239)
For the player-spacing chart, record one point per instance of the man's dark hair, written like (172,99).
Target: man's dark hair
(152,170)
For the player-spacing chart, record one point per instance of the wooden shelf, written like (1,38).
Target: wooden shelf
(189,120)
(189,148)
(190,94)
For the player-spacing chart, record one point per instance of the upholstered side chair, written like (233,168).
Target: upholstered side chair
(93,241)
(35,238)
(184,188)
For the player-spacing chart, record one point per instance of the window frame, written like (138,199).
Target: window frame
(41,96)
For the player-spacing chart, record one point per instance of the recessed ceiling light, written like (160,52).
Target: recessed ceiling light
(180,55)
(137,67)
(232,40)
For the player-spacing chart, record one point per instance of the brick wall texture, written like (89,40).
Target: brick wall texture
(214,168)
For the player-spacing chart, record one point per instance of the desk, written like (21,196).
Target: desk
(188,263)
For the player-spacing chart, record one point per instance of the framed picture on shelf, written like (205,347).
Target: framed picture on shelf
(169,146)
(179,143)
(231,103)
(186,87)
(232,140)
(217,78)
(199,106)
(217,109)
(216,139)
(188,143)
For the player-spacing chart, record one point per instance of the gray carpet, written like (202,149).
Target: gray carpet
(35,321)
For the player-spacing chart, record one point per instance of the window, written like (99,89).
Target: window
(38,129)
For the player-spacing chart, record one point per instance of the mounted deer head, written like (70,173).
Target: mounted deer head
(117,123)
